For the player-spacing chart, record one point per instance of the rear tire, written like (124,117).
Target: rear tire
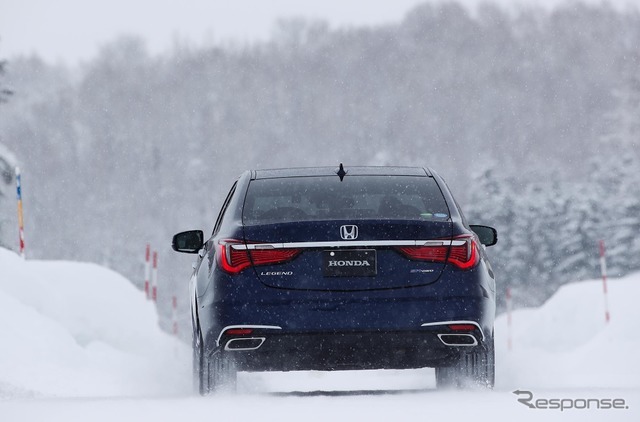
(222,373)
(217,373)
(474,369)
(200,372)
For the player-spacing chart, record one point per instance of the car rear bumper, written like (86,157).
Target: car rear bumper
(408,338)
(342,332)
(277,350)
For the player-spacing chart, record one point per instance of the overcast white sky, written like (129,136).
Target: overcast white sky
(70,31)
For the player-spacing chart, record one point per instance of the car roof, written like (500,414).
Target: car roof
(350,171)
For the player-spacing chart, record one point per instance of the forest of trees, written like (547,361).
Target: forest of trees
(532,117)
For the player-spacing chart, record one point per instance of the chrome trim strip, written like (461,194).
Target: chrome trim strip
(346,243)
(475,342)
(254,327)
(242,349)
(434,324)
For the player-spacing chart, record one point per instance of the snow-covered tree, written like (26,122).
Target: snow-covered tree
(7,194)
(5,92)
(7,172)
(619,172)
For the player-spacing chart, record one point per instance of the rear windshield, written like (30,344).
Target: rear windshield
(357,197)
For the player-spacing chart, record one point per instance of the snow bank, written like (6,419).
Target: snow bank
(72,329)
(567,344)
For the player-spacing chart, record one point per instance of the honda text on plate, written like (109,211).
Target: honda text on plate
(341,269)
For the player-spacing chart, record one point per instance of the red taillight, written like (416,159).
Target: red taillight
(235,260)
(425,253)
(463,256)
(272,256)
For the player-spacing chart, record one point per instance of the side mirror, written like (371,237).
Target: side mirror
(188,242)
(488,235)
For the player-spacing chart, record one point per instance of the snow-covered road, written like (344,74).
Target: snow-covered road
(80,343)
(368,405)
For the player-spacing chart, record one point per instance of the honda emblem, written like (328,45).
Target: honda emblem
(349,232)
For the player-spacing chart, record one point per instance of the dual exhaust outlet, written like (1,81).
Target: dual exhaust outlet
(459,334)
(254,343)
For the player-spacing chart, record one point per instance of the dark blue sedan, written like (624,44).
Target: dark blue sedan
(341,269)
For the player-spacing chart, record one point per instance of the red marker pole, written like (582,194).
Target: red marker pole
(509,318)
(603,270)
(154,278)
(174,314)
(20,217)
(147,270)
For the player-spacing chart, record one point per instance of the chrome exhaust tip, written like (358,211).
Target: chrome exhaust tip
(244,344)
(464,340)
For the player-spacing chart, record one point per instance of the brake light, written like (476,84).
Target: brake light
(464,256)
(426,253)
(234,261)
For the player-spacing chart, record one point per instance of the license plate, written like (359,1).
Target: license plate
(350,263)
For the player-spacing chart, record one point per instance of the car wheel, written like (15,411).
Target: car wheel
(200,371)
(222,372)
(474,369)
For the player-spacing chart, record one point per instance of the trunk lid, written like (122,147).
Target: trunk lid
(346,255)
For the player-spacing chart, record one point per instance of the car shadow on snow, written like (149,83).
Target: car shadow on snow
(341,393)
